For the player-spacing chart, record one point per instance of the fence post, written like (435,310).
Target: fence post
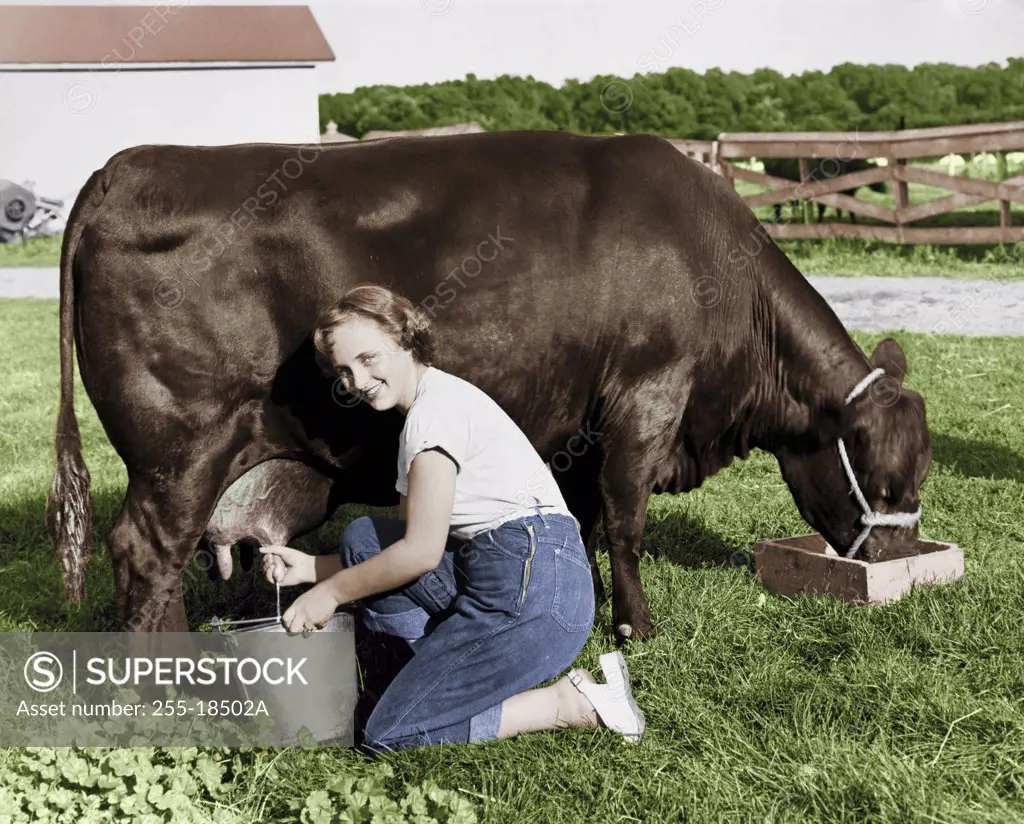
(805,205)
(724,165)
(900,192)
(1005,216)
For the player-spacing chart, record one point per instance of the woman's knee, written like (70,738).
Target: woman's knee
(359,541)
(377,739)
(380,736)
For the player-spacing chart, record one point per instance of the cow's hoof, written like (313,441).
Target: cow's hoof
(634,632)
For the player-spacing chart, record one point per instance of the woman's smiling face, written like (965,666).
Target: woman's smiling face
(370,363)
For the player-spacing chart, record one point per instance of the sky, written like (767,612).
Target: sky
(403,42)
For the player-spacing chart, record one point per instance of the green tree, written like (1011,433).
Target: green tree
(817,102)
(681,103)
(391,109)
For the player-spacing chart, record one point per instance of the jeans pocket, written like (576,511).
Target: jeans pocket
(513,539)
(497,579)
(573,604)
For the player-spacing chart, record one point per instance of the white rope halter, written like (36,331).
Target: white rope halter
(870,518)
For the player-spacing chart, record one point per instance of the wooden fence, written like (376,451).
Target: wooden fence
(895,149)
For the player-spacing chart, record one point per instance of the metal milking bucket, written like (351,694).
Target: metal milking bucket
(325,705)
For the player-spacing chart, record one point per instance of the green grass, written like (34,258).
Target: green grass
(42,251)
(759,708)
(853,257)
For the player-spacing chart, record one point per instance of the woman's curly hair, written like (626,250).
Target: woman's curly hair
(397,316)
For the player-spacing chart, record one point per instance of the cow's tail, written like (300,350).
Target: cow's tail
(68,507)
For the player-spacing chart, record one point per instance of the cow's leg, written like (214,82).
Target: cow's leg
(149,548)
(156,533)
(578,484)
(639,447)
(625,509)
(626,481)
(587,510)
(591,543)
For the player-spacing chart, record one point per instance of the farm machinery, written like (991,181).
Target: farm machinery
(23,213)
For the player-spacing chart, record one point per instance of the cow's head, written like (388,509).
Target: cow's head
(886,439)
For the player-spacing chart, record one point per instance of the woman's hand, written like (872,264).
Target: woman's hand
(311,610)
(288,567)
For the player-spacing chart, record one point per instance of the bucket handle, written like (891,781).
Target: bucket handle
(216,623)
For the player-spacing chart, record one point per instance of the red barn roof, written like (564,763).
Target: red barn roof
(165,33)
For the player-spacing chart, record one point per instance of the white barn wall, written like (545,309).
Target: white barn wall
(57,127)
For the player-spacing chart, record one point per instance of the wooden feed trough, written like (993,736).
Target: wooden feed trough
(800,566)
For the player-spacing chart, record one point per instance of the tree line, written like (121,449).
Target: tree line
(681,103)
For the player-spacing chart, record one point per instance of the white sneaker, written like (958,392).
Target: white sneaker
(613,701)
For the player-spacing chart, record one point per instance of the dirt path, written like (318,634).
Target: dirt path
(926,304)
(29,283)
(921,304)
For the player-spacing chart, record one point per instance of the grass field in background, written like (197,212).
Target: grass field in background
(853,257)
(759,708)
(42,251)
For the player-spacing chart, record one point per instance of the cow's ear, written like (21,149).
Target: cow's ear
(889,355)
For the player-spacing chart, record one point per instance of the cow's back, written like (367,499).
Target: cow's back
(559,270)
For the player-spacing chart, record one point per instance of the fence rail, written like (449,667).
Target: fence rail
(895,149)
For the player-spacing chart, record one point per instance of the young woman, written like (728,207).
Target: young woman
(483,573)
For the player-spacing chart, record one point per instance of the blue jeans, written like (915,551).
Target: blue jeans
(501,614)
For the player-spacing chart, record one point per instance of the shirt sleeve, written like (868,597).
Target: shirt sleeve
(446,429)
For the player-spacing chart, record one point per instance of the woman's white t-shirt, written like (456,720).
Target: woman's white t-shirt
(500,475)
